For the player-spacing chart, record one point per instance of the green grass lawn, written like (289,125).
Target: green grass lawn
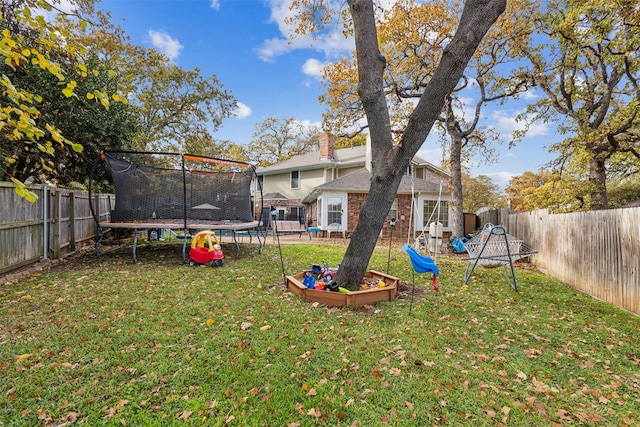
(107,342)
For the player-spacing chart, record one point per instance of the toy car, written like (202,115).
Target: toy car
(205,249)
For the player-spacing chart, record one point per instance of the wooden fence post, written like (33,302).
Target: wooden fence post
(55,221)
(72,221)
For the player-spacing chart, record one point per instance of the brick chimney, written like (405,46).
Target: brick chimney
(326,141)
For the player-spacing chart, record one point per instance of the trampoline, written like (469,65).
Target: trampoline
(179,191)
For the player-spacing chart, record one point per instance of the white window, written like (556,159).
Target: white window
(334,210)
(295,179)
(393,212)
(431,210)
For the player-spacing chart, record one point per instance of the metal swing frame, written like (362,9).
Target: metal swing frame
(493,247)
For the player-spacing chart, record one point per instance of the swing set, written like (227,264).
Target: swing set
(493,247)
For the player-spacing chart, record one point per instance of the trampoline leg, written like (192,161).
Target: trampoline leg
(96,247)
(261,241)
(235,240)
(135,243)
(184,247)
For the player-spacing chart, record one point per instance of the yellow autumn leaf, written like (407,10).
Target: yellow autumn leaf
(23,357)
(209,321)
(21,191)
(31,196)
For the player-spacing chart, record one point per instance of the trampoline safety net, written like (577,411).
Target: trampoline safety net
(160,187)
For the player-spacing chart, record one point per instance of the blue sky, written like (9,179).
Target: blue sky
(246,44)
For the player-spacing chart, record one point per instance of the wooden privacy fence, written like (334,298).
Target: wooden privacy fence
(63,216)
(597,252)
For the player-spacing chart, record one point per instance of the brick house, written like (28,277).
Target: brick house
(328,186)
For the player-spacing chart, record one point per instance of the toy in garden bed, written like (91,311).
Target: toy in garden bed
(321,278)
(327,273)
(205,249)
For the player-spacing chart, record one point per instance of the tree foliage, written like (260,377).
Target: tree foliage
(43,55)
(175,105)
(79,119)
(62,76)
(588,69)
(567,193)
(275,140)
(480,192)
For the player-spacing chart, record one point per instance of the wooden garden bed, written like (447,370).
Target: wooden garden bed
(351,298)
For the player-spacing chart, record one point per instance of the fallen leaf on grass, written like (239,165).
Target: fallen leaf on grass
(23,357)
(111,411)
(184,415)
(71,417)
(265,328)
(314,412)
(245,325)
(395,371)
(563,414)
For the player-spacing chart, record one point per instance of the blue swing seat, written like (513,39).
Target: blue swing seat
(421,263)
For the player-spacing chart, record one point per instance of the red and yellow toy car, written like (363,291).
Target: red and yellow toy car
(205,249)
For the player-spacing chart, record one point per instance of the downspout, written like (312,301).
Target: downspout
(45,220)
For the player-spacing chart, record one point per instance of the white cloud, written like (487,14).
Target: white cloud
(66,6)
(506,125)
(501,179)
(433,156)
(308,124)
(242,111)
(530,95)
(165,44)
(332,43)
(313,68)
(215,4)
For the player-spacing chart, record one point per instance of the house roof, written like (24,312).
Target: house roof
(344,157)
(360,181)
(274,196)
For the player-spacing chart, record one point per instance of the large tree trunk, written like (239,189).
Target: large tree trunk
(388,161)
(598,181)
(373,214)
(455,169)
